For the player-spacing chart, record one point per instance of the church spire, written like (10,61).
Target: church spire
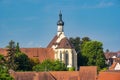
(60,21)
(60,25)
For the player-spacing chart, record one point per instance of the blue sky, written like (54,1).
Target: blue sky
(32,23)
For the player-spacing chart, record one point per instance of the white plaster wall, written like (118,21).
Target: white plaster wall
(61,36)
(72,56)
(117,67)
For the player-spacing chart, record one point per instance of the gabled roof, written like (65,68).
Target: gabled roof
(111,54)
(88,72)
(52,42)
(64,43)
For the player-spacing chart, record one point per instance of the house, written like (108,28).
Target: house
(113,60)
(85,73)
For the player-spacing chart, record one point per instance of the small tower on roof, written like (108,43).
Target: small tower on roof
(60,25)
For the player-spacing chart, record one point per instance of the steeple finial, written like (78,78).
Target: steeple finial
(60,21)
(60,15)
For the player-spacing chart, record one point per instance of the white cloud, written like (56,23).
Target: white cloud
(101,4)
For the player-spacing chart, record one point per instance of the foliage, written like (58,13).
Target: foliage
(71,69)
(23,62)
(4,75)
(93,52)
(17,60)
(11,55)
(50,65)
(78,44)
(34,61)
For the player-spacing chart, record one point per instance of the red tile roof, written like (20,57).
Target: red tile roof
(56,75)
(64,43)
(3,51)
(88,72)
(109,76)
(52,42)
(66,75)
(111,54)
(40,53)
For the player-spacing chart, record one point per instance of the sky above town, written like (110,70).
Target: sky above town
(33,23)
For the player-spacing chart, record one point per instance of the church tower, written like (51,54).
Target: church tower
(62,47)
(60,25)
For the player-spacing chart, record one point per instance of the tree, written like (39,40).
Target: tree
(11,55)
(50,65)
(93,52)
(4,74)
(78,44)
(23,62)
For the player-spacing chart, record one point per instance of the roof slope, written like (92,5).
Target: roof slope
(109,76)
(65,75)
(52,42)
(54,75)
(88,72)
(40,53)
(64,43)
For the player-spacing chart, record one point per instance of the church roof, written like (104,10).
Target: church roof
(40,53)
(52,42)
(64,43)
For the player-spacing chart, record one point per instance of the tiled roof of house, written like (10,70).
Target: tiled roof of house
(23,75)
(56,75)
(40,53)
(66,75)
(111,54)
(3,51)
(109,76)
(88,72)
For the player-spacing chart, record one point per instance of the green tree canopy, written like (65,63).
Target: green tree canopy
(50,65)
(4,74)
(93,52)
(78,44)
(11,55)
(23,62)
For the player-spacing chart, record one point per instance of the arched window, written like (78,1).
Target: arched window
(66,58)
(60,55)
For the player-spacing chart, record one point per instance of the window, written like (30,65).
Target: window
(60,55)
(66,58)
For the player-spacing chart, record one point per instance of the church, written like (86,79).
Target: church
(59,48)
